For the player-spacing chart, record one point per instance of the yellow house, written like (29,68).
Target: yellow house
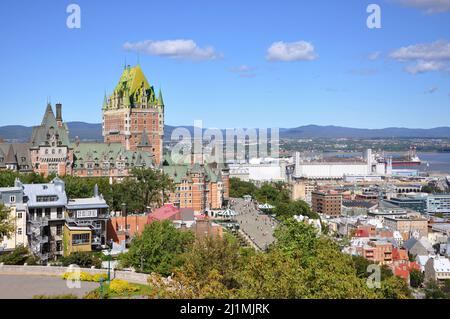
(77,239)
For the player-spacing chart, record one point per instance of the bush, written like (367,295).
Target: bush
(18,256)
(119,286)
(82,259)
(84,276)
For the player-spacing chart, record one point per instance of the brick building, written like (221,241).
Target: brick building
(133,110)
(326,203)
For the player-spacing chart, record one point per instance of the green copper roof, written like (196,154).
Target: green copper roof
(132,90)
(100,152)
(160,98)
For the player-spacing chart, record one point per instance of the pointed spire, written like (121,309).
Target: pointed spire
(11,157)
(105,101)
(160,98)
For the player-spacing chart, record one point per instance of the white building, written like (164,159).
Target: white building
(259,170)
(437,268)
(367,169)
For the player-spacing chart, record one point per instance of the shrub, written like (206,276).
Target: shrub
(82,259)
(18,256)
(119,286)
(84,276)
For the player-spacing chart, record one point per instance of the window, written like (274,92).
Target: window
(19,215)
(59,212)
(80,239)
(19,231)
(58,245)
(12,199)
(59,230)
(47,212)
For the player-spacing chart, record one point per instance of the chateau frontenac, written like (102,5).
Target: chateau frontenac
(133,132)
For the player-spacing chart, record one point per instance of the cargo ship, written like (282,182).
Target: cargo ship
(411,159)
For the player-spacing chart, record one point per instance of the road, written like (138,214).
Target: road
(257,226)
(25,287)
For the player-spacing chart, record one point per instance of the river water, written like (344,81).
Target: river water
(437,163)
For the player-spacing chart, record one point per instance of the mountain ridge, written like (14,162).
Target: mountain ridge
(93,132)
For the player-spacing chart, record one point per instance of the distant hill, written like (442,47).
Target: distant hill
(315,131)
(93,132)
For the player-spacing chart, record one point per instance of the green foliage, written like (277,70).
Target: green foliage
(82,259)
(394,288)
(18,256)
(436,290)
(240,188)
(8,177)
(300,265)
(158,249)
(295,208)
(416,278)
(6,224)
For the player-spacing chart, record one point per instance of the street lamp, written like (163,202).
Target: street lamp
(124,213)
(109,260)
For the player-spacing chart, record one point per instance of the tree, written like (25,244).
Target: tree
(416,278)
(394,288)
(19,256)
(240,188)
(295,208)
(6,224)
(433,291)
(82,259)
(152,186)
(158,249)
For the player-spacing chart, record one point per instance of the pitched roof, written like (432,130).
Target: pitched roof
(100,152)
(49,127)
(168,211)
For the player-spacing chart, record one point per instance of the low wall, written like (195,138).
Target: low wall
(58,271)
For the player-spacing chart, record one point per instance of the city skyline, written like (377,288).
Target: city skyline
(314,64)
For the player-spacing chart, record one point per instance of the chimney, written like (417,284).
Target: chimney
(59,114)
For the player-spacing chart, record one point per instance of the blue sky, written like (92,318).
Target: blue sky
(238,82)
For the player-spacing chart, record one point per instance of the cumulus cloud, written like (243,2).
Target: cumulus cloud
(426,6)
(439,50)
(244,71)
(425,66)
(180,48)
(374,56)
(427,57)
(291,51)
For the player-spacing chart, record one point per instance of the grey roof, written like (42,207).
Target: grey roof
(55,187)
(87,203)
(48,127)
(21,152)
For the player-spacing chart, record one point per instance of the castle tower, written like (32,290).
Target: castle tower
(133,109)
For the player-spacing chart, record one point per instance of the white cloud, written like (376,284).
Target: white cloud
(180,48)
(427,6)
(374,56)
(293,51)
(439,50)
(427,57)
(425,66)
(431,90)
